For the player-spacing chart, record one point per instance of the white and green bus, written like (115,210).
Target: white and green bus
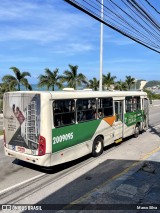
(50,128)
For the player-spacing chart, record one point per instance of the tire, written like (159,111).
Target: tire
(97,147)
(136,131)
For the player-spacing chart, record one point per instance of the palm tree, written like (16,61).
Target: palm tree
(129,81)
(94,84)
(50,79)
(5,87)
(120,85)
(108,80)
(72,77)
(17,80)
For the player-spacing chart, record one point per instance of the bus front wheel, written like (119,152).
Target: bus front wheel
(97,147)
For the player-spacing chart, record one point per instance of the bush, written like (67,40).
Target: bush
(151,95)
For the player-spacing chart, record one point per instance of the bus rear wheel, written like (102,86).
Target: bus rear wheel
(97,147)
(136,131)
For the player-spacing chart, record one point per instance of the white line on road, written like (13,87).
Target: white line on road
(156,105)
(19,184)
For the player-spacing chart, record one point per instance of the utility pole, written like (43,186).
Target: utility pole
(101,49)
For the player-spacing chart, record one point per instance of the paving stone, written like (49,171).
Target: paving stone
(153,196)
(127,190)
(144,188)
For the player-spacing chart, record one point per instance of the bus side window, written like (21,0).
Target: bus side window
(90,114)
(136,103)
(128,103)
(64,112)
(57,120)
(105,107)
(57,117)
(132,103)
(80,116)
(86,109)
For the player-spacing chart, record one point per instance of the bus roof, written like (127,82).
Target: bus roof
(83,93)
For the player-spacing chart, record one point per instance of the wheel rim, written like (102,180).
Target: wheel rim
(137,130)
(98,147)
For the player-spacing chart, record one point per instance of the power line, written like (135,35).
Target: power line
(152,6)
(135,21)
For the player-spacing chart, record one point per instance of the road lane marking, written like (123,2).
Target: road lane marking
(19,184)
(156,105)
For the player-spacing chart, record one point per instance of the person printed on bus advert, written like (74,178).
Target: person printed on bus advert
(19,115)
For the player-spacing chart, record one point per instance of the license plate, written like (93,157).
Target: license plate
(20,149)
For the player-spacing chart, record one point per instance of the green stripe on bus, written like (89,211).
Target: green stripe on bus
(68,136)
(131,118)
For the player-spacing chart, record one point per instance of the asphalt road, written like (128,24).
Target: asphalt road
(24,183)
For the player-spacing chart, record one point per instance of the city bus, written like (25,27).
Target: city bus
(50,128)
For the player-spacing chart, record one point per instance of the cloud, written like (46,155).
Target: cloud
(14,10)
(125,60)
(117,39)
(32,20)
(77,47)
(123,41)
(19,59)
(46,23)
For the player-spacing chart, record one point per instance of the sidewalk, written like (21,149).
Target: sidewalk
(136,189)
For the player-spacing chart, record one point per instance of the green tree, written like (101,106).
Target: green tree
(5,87)
(120,85)
(72,78)
(17,80)
(50,79)
(129,81)
(94,84)
(108,80)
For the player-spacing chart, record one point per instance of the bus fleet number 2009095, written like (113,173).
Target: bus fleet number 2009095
(61,138)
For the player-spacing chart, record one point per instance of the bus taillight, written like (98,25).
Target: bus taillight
(41,146)
(4,137)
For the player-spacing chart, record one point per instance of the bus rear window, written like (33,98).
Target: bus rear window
(64,112)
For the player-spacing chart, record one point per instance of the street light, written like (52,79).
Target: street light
(101,49)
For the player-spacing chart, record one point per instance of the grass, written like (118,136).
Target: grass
(1,132)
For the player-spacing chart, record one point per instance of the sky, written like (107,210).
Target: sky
(39,34)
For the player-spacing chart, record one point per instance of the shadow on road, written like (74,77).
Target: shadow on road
(67,165)
(60,167)
(155,130)
(52,169)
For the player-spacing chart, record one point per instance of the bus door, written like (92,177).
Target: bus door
(118,125)
(146,112)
